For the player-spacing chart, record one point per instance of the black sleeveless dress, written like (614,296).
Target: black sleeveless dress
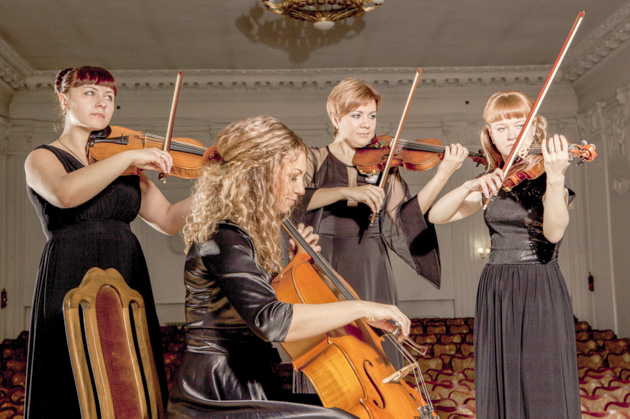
(525,357)
(94,234)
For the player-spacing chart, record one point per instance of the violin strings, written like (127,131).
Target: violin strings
(412,145)
(179,145)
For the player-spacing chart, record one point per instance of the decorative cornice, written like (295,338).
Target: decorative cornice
(236,81)
(609,123)
(621,185)
(611,36)
(592,122)
(5,132)
(623,96)
(13,68)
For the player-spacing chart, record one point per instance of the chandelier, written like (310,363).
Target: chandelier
(323,13)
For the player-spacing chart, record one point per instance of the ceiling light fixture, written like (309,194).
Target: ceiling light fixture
(323,13)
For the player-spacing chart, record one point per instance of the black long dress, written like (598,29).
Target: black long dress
(525,357)
(358,250)
(232,314)
(94,234)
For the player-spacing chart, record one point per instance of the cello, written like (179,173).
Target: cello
(348,366)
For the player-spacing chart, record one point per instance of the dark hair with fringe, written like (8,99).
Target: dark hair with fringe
(80,76)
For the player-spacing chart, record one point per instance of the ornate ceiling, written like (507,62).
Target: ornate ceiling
(229,36)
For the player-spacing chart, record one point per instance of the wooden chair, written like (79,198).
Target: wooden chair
(108,318)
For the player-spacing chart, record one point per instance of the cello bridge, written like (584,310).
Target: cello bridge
(400,374)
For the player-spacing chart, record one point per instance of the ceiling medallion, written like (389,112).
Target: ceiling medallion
(323,13)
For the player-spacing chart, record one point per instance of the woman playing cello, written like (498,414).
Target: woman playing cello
(85,210)
(234,247)
(525,358)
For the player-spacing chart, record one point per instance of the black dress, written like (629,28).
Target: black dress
(232,314)
(358,250)
(94,234)
(525,356)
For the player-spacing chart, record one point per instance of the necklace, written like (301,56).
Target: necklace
(71,152)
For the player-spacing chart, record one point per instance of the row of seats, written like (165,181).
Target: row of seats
(13,376)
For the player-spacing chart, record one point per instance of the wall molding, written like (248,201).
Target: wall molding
(13,68)
(248,81)
(5,135)
(608,39)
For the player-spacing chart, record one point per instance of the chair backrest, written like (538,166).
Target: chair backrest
(108,318)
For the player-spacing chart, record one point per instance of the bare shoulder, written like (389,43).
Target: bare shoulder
(42,163)
(38,158)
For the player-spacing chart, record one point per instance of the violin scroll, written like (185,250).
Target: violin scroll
(584,152)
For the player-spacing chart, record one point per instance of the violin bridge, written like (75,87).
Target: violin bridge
(400,374)
(522,153)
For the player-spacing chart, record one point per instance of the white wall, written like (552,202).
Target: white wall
(447,106)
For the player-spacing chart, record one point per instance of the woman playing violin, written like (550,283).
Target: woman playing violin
(525,358)
(85,210)
(234,248)
(354,248)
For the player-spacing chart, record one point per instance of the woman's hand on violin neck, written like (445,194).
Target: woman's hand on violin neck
(387,317)
(150,159)
(454,156)
(555,152)
(309,236)
(489,184)
(371,195)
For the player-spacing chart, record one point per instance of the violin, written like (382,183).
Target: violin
(348,366)
(533,166)
(187,154)
(418,155)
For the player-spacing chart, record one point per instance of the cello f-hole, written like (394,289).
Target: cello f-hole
(367,363)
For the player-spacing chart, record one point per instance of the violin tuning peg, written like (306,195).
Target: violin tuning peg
(579,163)
(583,142)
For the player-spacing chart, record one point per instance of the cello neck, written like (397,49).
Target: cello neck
(318,260)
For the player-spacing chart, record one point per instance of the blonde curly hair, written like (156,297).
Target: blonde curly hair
(509,104)
(243,186)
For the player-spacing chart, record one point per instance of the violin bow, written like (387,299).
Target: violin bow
(394,142)
(543,92)
(171,120)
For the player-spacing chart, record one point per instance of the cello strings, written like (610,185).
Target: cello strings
(324,265)
(417,372)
